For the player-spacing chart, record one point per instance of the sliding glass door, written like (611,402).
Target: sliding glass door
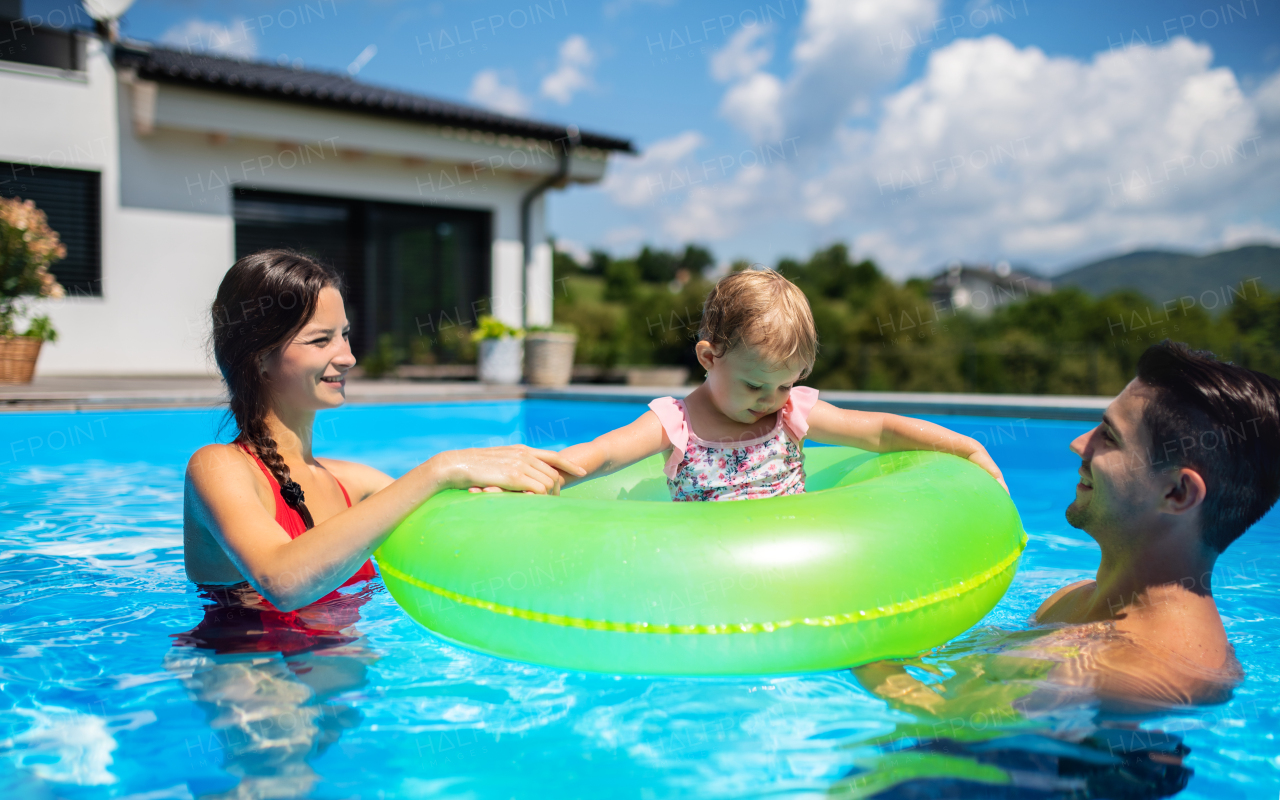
(410,270)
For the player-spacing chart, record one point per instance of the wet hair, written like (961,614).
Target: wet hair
(764,311)
(1221,420)
(264,300)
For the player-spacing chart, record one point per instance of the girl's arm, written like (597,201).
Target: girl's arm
(222,497)
(888,433)
(617,448)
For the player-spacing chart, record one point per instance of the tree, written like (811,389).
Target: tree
(696,260)
(620,279)
(877,334)
(656,266)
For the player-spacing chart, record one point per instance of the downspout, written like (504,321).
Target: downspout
(570,140)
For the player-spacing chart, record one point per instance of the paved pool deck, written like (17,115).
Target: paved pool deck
(90,393)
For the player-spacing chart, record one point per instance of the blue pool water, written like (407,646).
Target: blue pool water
(97,701)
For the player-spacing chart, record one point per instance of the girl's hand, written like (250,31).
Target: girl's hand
(515,468)
(983,459)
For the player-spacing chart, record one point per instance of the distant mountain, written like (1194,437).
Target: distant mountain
(1165,275)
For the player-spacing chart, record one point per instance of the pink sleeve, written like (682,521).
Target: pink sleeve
(673,422)
(796,411)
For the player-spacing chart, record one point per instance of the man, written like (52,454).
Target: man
(1186,458)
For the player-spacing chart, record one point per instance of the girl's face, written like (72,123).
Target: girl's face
(309,372)
(744,386)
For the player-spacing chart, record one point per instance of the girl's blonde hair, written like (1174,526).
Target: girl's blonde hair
(764,311)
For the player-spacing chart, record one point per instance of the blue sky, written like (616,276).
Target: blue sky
(918,131)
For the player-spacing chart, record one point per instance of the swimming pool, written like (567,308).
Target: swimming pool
(97,701)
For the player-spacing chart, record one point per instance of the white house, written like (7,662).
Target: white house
(160,167)
(980,289)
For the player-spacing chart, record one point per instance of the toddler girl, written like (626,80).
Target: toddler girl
(740,434)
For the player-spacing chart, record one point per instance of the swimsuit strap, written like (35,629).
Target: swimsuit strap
(275,485)
(288,518)
(674,417)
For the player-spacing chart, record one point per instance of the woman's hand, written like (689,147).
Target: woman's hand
(983,459)
(514,468)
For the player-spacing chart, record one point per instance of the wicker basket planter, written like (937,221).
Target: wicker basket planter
(500,360)
(657,376)
(18,356)
(548,358)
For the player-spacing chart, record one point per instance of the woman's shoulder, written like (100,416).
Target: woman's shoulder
(360,480)
(224,471)
(213,458)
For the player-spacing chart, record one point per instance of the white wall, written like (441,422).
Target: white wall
(167,231)
(538,276)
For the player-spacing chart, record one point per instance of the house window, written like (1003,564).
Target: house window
(71,199)
(59,45)
(415,275)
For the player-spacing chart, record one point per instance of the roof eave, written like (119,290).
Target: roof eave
(414,108)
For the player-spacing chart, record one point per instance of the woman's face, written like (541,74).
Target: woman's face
(309,373)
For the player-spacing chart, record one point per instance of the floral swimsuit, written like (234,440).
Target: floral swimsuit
(766,466)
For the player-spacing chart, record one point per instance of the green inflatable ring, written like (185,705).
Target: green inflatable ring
(885,556)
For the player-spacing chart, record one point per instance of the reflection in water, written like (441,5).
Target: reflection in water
(265,680)
(1030,714)
(1110,763)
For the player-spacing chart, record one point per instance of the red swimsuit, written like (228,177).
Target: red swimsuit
(231,626)
(289,519)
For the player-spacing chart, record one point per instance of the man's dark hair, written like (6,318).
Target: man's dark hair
(1221,420)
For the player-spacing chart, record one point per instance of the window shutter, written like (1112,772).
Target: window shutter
(71,199)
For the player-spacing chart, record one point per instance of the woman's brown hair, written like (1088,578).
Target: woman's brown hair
(264,300)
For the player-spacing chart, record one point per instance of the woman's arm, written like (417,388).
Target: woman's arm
(617,448)
(888,433)
(222,497)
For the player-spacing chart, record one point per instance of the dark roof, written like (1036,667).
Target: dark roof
(956,273)
(334,90)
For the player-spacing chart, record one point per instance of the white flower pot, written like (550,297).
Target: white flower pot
(501,360)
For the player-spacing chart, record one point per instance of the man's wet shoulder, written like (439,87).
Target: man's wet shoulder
(1064,604)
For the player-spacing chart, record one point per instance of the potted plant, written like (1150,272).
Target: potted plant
(27,247)
(548,355)
(501,351)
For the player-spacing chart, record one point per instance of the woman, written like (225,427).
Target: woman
(263,511)
(271,532)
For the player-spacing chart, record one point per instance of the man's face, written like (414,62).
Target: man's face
(1117,489)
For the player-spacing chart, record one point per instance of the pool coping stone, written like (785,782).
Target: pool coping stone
(92,393)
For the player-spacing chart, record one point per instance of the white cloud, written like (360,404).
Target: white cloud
(719,210)
(575,250)
(637,182)
(1255,232)
(488,90)
(1000,152)
(626,237)
(743,55)
(1268,99)
(752,105)
(845,53)
(236,40)
(995,152)
(822,206)
(572,73)
(686,194)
